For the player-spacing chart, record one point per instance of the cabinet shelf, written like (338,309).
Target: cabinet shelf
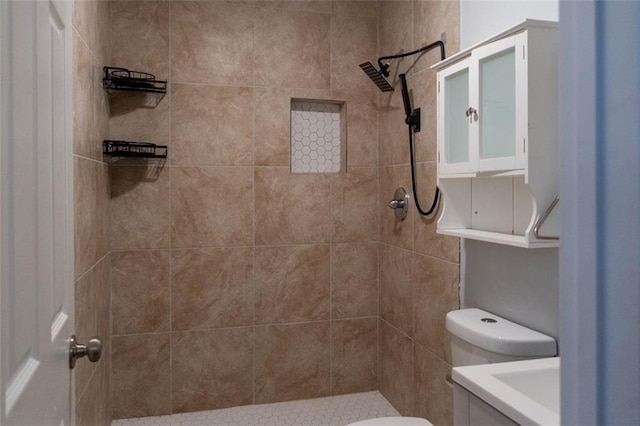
(497,237)
(124,149)
(124,79)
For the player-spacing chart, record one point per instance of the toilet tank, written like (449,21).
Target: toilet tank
(479,337)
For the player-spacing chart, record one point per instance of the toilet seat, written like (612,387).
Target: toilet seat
(393,421)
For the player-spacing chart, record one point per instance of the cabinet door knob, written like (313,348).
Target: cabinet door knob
(472,113)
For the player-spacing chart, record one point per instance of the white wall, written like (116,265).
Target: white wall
(518,284)
(480,19)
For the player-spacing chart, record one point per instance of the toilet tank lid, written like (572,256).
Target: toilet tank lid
(496,334)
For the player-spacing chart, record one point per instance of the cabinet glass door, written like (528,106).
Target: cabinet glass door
(454,139)
(497,105)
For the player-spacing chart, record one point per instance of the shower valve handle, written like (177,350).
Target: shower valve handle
(397,204)
(400,203)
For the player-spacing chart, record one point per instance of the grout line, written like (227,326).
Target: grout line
(211,329)
(411,251)
(170,155)
(253,218)
(220,248)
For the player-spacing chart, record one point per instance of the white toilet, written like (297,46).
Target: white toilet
(479,337)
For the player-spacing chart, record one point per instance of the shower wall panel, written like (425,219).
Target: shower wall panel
(234,280)
(419,269)
(91,207)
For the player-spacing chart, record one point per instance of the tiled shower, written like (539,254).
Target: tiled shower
(220,277)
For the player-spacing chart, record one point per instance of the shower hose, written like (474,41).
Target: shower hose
(413,181)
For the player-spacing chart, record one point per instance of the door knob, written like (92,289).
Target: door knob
(92,350)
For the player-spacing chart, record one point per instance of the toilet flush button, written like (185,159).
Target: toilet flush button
(489,320)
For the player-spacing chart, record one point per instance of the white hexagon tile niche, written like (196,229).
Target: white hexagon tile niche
(315,137)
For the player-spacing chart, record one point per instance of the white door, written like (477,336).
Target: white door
(36,216)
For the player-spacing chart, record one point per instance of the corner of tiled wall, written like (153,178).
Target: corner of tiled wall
(271,276)
(419,269)
(91,218)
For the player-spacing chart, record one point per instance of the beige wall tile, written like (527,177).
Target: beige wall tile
(396,292)
(422,87)
(354,280)
(92,299)
(134,118)
(396,368)
(354,40)
(93,408)
(212,125)
(211,43)
(211,206)
(86,324)
(103,29)
(86,225)
(91,211)
(319,6)
(272,120)
(103,188)
(426,239)
(292,284)
(395,33)
(211,288)
(292,362)
(140,207)
(83,103)
(392,231)
(362,126)
(367,8)
(354,355)
(394,133)
(433,394)
(103,305)
(272,137)
(435,293)
(354,206)
(101,107)
(431,19)
(140,36)
(291,49)
(140,291)
(140,378)
(91,20)
(291,208)
(211,369)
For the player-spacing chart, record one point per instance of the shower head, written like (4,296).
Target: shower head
(377,76)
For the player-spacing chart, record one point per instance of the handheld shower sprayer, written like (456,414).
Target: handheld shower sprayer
(412,117)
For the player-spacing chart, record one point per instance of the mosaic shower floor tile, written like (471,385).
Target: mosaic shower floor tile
(330,411)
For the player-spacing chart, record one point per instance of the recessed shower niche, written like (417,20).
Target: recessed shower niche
(318,136)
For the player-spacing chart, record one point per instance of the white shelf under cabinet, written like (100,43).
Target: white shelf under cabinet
(499,199)
(498,238)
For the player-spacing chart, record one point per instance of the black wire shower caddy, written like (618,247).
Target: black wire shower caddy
(124,79)
(134,149)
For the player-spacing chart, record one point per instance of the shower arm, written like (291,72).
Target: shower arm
(383,67)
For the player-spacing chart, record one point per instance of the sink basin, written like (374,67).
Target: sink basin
(528,392)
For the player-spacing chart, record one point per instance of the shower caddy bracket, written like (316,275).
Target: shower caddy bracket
(136,81)
(122,79)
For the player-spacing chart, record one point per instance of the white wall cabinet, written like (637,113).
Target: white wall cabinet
(497,137)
